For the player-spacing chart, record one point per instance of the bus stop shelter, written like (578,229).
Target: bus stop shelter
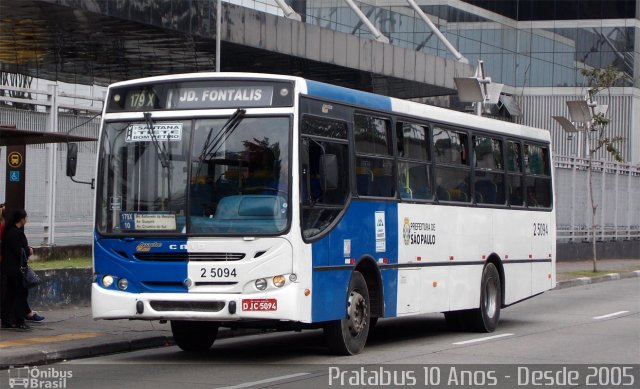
(16,141)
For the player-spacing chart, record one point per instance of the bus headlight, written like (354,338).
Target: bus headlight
(278,281)
(123,283)
(261,284)
(107,281)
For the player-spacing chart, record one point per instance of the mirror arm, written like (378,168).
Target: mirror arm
(92,182)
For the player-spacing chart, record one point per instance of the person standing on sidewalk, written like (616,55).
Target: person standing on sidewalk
(14,244)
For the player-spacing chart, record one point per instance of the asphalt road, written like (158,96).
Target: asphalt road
(588,325)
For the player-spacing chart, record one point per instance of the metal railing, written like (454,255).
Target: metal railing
(616,187)
(60,212)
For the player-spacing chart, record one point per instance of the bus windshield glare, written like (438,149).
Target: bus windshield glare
(226,176)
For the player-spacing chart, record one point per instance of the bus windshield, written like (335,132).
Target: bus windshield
(218,176)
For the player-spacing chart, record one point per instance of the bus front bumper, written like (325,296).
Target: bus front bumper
(287,303)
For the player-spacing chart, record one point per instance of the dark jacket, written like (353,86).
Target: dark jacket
(13,243)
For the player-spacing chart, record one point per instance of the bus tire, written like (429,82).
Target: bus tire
(194,336)
(485,318)
(348,336)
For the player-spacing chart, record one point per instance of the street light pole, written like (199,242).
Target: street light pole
(218,32)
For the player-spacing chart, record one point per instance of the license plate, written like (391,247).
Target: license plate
(212,273)
(259,304)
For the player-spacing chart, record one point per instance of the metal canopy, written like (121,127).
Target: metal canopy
(10,136)
(101,42)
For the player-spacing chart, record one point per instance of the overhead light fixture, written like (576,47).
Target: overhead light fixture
(579,111)
(469,90)
(478,89)
(565,124)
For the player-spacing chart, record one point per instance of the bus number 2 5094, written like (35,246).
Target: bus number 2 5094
(217,272)
(540,229)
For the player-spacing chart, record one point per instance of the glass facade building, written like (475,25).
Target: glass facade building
(523,43)
(537,48)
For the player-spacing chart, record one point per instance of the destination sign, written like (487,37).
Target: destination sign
(203,94)
(228,97)
(161,132)
(142,221)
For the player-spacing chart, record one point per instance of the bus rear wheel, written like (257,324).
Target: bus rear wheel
(194,336)
(349,335)
(485,318)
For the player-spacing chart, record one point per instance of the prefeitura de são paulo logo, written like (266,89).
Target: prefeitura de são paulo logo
(406,231)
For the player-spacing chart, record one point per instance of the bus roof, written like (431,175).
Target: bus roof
(368,100)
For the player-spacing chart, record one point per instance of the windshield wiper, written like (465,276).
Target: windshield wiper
(211,146)
(162,152)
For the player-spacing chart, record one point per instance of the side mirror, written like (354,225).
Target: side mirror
(329,173)
(72,158)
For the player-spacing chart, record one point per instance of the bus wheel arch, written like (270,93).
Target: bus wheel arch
(369,269)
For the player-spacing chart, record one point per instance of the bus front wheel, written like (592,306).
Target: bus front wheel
(348,336)
(194,335)
(485,318)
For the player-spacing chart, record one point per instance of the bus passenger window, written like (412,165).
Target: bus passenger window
(452,168)
(414,181)
(323,195)
(489,174)
(450,146)
(452,184)
(538,178)
(374,165)
(515,181)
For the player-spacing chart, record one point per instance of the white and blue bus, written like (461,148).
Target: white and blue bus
(234,199)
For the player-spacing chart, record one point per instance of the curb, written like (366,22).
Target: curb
(32,357)
(594,280)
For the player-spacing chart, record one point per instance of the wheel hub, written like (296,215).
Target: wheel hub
(356,313)
(491,297)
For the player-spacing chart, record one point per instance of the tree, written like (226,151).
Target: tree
(599,80)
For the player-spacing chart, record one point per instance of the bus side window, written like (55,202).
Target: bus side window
(452,167)
(489,173)
(374,164)
(414,154)
(515,179)
(323,195)
(538,178)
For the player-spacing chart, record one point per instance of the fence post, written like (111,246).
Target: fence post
(615,201)
(574,167)
(629,202)
(52,168)
(603,165)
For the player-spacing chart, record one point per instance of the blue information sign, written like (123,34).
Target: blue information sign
(14,176)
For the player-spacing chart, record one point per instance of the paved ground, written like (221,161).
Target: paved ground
(72,333)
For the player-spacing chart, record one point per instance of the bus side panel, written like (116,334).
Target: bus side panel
(359,234)
(514,224)
(543,249)
(424,252)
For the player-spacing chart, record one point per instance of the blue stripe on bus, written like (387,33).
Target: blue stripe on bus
(349,96)
(116,258)
(357,225)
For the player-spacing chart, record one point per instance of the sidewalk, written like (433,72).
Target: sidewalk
(72,333)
